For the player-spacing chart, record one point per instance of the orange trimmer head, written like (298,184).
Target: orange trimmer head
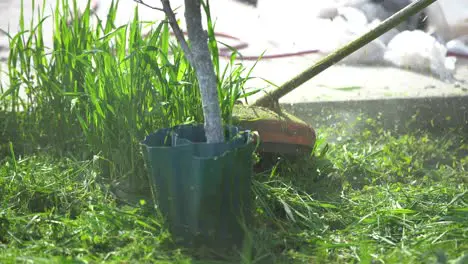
(279,131)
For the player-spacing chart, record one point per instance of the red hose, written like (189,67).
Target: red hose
(458,55)
(225,51)
(94,5)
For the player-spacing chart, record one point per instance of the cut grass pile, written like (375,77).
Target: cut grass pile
(71,120)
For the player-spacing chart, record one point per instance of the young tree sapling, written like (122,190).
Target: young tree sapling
(199,57)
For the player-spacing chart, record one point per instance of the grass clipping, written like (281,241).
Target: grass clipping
(372,197)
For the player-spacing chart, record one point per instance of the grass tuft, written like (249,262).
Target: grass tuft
(101,88)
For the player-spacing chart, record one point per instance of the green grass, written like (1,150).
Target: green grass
(366,195)
(359,200)
(101,88)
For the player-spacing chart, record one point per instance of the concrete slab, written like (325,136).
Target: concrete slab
(280,28)
(341,83)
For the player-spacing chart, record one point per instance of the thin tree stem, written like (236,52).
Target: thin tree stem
(177,31)
(200,58)
(201,61)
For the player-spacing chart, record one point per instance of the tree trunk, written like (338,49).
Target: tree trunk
(203,65)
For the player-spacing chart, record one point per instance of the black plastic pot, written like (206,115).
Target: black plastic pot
(203,190)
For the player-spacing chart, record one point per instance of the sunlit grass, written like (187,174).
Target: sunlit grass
(371,197)
(344,206)
(102,87)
